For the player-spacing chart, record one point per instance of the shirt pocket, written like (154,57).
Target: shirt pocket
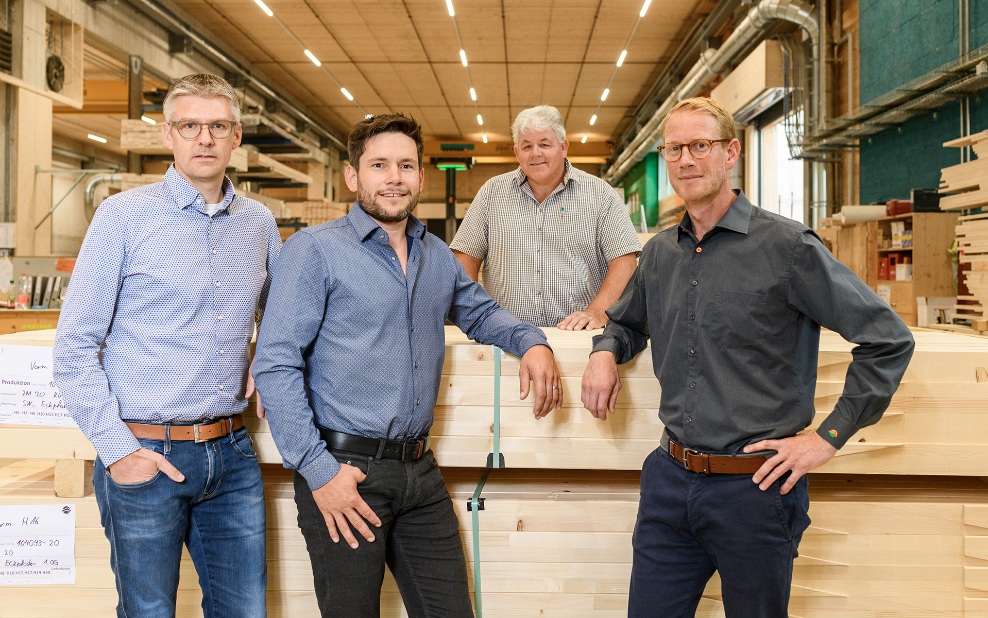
(738,318)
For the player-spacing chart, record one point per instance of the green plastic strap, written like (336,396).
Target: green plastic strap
(475,504)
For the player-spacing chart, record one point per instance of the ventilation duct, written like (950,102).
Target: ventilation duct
(711,62)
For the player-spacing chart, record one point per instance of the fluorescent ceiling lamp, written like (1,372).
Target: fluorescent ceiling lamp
(484,137)
(584,140)
(473,94)
(607,91)
(313,58)
(264,8)
(148,120)
(449,7)
(463,57)
(593,120)
(347,94)
(97,138)
(480,120)
(624,54)
(644,8)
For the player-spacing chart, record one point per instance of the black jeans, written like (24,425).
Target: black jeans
(690,525)
(419,540)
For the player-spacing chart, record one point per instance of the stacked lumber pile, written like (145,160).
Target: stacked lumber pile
(260,167)
(315,212)
(899,517)
(132,181)
(965,185)
(972,247)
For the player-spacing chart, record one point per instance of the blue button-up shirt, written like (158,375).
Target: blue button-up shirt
(353,344)
(159,314)
(734,322)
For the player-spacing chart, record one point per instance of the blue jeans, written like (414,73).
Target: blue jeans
(218,512)
(690,525)
(419,540)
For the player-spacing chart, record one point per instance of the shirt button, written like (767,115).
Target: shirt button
(416,365)
(416,402)
(699,249)
(413,329)
(221,387)
(221,352)
(213,252)
(217,284)
(692,316)
(692,384)
(694,282)
(219,317)
(689,419)
(692,350)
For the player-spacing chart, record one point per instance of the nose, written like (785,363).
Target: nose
(205,137)
(393,175)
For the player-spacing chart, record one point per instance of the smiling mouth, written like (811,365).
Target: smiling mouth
(392,195)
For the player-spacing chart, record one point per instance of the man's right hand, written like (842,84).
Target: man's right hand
(342,506)
(141,465)
(601,384)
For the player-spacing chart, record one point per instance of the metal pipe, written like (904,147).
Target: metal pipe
(90,195)
(751,27)
(234,64)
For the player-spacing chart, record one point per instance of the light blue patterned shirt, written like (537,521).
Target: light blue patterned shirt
(159,314)
(352,344)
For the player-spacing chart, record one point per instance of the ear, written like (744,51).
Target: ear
(515,149)
(733,153)
(350,175)
(238,135)
(166,135)
(565,146)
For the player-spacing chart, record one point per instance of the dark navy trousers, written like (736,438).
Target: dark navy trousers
(690,525)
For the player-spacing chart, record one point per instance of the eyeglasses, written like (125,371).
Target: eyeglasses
(190,129)
(699,149)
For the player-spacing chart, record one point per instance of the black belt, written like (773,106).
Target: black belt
(408,450)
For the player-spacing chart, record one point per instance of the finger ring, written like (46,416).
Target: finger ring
(555,388)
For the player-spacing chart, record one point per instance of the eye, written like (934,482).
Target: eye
(188,125)
(408,166)
(700,145)
(674,149)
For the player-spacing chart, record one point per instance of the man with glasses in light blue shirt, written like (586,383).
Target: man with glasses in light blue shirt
(151,356)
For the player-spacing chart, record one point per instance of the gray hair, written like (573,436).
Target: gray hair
(539,119)
(201,85)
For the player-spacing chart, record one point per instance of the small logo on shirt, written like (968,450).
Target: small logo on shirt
(832,433)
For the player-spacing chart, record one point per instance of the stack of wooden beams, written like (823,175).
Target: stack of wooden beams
(315,212)
(899,517)
(965,185)
(972,247)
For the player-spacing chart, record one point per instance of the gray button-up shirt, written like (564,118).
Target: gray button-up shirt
(544,261)
(734,322)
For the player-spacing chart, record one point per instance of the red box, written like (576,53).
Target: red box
(883,267)
(898,207)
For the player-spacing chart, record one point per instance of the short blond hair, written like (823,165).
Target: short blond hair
(201,85)
(728,130)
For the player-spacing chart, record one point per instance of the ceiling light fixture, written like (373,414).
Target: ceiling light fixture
(480,120)
(484,137)
(624,54)
(607,91)
(473,94)
(593,120)
(346,93)
(148,120)
(644,8)
(313,58)
(449,7)
(264,8)
(584,140)
(463,57)
(97,138)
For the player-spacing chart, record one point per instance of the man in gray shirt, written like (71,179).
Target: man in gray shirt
(732,300)
(556,244)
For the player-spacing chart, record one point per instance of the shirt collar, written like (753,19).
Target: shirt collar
(183,194)
(736,219)
(365,226)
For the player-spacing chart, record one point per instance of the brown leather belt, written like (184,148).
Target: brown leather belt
(707,463)
(200,432)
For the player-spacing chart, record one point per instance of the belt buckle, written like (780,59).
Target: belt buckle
(419,450)
(195,433)
(686,457)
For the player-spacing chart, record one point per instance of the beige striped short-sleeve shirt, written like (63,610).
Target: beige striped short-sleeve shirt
(544,261)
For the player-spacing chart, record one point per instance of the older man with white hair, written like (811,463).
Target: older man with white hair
(556,243)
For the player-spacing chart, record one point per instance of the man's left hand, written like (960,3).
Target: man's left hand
(538,366)
(588,319)
(798,455)
(250,389)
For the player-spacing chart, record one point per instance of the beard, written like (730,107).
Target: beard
(372,207)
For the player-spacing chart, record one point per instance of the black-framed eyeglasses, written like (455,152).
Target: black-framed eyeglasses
(699,149)
(190,129)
